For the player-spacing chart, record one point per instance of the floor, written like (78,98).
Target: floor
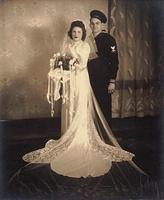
(140,136)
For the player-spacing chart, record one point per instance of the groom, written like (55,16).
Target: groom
(103,63)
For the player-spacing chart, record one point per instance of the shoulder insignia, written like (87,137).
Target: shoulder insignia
(113,48)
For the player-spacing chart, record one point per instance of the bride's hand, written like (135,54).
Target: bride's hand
(76,65)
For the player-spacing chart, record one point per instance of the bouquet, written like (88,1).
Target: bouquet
(63,62)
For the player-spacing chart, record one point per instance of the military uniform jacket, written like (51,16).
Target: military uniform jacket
(105,66)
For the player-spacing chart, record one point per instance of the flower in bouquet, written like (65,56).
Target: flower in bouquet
(52,63)
(72,63)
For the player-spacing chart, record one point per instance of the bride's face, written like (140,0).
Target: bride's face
(77,33)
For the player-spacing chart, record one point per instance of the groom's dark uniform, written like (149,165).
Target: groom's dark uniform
(103,69)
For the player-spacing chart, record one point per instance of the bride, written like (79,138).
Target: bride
(81,151)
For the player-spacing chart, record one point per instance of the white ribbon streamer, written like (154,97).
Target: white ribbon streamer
(56,80)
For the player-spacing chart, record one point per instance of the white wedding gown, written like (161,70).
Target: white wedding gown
(81,151)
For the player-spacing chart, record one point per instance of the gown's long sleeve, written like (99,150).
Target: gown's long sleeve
(83,55)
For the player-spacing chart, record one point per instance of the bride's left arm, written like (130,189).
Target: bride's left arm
(83,55)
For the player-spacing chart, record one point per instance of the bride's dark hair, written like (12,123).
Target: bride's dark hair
(77,24)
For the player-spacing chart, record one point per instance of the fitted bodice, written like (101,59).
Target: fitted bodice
(79,50)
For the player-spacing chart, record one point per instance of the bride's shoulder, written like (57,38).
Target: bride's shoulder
(86,45)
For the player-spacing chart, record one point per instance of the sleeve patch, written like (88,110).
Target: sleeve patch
(113,49)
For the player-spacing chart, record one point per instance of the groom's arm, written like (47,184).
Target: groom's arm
(113,59)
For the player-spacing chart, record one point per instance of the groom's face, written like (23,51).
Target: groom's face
(96,25)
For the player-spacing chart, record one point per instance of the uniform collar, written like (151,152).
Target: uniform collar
(98,35)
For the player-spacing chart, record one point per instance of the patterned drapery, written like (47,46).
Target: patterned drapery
(138,91)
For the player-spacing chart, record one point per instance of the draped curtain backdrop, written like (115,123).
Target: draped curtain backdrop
(138,91)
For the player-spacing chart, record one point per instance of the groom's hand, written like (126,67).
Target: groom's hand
(111,88)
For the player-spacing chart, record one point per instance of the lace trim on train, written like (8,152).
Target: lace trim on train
(113,153)
(50,151)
